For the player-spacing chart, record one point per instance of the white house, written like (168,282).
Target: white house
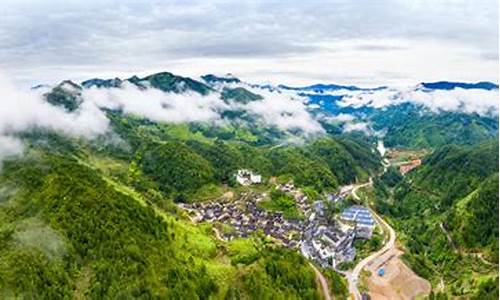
(247,177)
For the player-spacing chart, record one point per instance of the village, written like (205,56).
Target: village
(326,241)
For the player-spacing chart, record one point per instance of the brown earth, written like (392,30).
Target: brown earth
(398,282)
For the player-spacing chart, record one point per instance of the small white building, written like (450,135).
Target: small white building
(247,177)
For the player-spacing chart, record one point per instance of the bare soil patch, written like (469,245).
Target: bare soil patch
(398,282)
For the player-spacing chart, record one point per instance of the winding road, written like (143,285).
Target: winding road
(324,283)
(353,277)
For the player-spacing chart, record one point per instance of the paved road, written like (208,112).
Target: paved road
(358,186)
(353,277)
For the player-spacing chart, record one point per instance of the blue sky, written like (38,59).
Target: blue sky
(292,42)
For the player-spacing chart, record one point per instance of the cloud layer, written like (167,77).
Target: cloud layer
(345,41)
(285,110)
(25,110)
(157,105)
(478,101)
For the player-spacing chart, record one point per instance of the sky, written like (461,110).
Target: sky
(363,42)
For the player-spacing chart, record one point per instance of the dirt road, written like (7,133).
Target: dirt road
(324,283)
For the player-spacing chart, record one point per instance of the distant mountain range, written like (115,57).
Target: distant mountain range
(439,85)
(447,85)
(399,114)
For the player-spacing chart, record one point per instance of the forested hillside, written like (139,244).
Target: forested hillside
(106,211)
(68,230)
(91,198)
(447,212)
(408,125)
(181,159)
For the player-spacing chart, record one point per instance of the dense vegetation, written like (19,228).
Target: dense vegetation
(97,218)
(474,219)
(181,159)
(104,239)
(408,126)
(337,284)
(68,230)
(174,166)
(282,202)
(447,214)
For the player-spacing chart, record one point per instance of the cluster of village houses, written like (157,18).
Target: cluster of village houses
(245,216)
(330,242)
(326,241)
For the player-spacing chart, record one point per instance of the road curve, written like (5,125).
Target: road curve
(358,186)
(354,276)
(324,283)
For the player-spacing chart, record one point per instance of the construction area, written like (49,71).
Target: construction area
(391,279)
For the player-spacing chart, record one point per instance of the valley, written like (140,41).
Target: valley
(238,202)
(397,280)
(249,150)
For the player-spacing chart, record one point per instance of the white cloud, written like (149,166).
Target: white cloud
(360,126)
(464,100)
(458,99)
(276,109)
(342,118)
(157,105)
(9,146)
(286,112)
(23,110)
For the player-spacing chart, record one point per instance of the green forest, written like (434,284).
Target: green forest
(446,214)
(100,219)
(111,229)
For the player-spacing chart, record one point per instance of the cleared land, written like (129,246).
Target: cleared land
(401,156)
(398,282)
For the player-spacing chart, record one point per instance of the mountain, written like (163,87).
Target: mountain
(413,117)
(164,81)
(446,211)
(66,95)
(448,85)
(102,83)
(409,125)
(93,207)
(322,87)
(474,217)
(213,79)
(240,95)
(404,121)
(168,82)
